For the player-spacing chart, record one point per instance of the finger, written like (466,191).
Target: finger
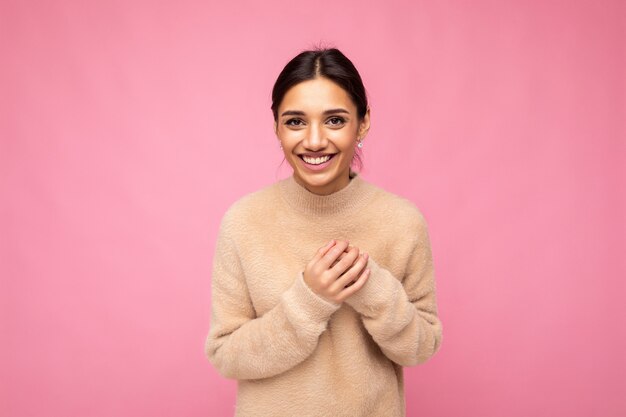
(358,284)
(346,262)
(331,255)
(341,256)
(343,260)
(323,250)
(351,275)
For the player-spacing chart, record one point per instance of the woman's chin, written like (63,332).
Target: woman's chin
(322,179)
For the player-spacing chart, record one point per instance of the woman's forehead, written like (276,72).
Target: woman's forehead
(316,96)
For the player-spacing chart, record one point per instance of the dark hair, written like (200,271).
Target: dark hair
(330,63)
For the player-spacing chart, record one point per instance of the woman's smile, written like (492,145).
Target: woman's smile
(316,163)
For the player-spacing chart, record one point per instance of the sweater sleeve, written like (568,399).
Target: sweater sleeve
(242,346)
(402,316)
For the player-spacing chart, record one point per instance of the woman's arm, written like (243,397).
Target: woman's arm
(402,316)
(243,346)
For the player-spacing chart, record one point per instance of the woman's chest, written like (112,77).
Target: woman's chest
(274,256)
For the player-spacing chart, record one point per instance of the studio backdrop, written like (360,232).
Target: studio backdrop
(127,128)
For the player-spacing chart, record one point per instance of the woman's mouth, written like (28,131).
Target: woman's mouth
(316,163)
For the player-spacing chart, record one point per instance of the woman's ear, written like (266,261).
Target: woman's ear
(364,126)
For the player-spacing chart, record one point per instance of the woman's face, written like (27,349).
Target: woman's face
(318,118)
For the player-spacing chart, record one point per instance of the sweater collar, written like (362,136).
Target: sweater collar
(347,199)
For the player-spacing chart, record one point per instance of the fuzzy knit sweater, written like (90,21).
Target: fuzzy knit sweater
(296,354)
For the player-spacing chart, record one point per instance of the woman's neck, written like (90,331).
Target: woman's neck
(347,199)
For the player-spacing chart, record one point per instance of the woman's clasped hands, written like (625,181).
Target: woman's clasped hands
(337,271)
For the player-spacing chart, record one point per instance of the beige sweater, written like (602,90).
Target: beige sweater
(296,354)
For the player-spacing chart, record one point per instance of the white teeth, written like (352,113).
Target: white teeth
(316,161)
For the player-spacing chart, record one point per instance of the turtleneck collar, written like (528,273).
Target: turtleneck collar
(354,195)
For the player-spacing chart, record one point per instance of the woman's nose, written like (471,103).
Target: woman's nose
(315,138)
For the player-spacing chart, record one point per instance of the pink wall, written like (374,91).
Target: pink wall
(127,128)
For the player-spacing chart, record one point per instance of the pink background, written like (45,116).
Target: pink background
(127,128)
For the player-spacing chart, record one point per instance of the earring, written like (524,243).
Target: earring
(360,144)
(281,145)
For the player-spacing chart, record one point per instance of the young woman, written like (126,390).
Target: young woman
(323,284)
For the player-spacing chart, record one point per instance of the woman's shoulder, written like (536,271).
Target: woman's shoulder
(250,207)
(397,208)
(398,215)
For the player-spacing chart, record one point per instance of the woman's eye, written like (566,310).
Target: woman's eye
(289,122)
(337,121)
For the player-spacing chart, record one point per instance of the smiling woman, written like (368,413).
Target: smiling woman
(323,284)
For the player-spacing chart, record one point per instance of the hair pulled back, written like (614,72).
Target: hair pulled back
(330,63)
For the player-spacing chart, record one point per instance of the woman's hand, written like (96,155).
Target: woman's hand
(336,271)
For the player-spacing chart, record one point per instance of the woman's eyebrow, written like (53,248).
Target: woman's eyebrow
(301,113)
